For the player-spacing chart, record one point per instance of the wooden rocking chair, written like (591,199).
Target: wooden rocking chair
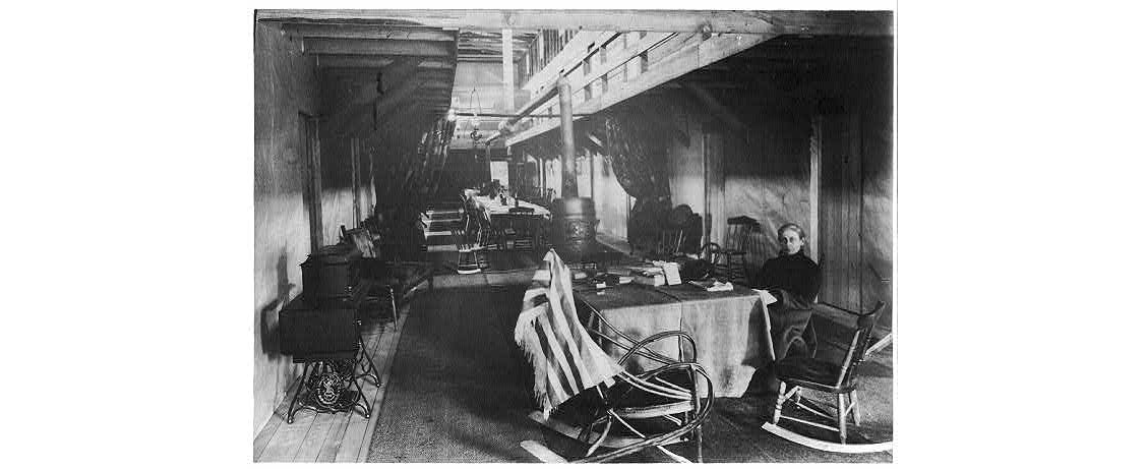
(798,372)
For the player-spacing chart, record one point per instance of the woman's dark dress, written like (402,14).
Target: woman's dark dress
(794,280)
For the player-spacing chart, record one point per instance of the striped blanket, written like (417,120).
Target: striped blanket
(564,359)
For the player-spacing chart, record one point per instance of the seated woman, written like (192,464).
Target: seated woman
(794,280)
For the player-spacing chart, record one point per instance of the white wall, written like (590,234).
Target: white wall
(284,86)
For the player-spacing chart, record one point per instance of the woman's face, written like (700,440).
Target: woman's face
(789,241)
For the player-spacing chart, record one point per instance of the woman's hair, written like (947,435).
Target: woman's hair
(793,227)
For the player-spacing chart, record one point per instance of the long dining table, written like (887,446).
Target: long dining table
(525,219)
(496,208)
(728,327)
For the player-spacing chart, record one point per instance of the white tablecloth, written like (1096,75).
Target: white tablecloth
(494,207)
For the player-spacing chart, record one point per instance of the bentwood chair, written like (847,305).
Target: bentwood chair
(660,406)
(840,379)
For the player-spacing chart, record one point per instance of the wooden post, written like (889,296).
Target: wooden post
(506,69)
(815,182)
(354,176)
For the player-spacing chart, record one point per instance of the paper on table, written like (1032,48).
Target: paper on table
(767,297)
(713,285)
(671,273)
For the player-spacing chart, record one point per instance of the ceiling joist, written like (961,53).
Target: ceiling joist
(845,23)
(375,62)
(716,21)
(365,31)
(377,47)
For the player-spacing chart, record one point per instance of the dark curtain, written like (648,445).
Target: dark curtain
(637,150)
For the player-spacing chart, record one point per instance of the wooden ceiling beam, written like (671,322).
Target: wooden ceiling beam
(377,47)
(715,21)
(478,58)
(376,62)
(366,31)
(686,58)
(842,23)
(357,74)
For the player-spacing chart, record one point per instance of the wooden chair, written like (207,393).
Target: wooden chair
(731,258)
(466,203)
(840,379)
(708,252)
(655,408)
(488,234)
(470,252)
(363,240)
(549,196)
(668,244)
(523,230)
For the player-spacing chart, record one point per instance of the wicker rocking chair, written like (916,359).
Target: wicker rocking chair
(625,413)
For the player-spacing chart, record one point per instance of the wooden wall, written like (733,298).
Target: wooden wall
(825,163)
(284,86)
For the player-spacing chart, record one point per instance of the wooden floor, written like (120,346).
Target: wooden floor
(342,437)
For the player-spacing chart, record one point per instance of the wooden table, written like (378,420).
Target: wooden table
(506,220)
(728,327)
(494,207)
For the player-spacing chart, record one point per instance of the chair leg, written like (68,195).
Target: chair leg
(696,403)
(854,402)
(739,271)
(699,444)
(842,418)
(393,304)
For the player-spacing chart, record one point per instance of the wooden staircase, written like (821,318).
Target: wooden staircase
(438,221)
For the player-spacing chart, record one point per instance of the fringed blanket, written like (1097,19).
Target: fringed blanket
(565,360)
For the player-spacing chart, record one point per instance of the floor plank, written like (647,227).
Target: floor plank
(333,442)
(318,437)
(269,430)
(288,439)
(359,430)
(325,424)
(276,421)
